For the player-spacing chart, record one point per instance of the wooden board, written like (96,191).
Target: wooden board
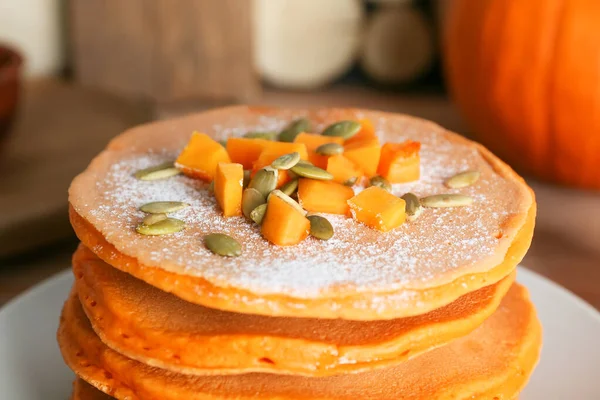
(58,131)
(164,49)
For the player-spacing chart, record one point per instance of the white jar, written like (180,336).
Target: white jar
(36,29)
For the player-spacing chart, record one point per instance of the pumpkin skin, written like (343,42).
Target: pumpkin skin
(526,77)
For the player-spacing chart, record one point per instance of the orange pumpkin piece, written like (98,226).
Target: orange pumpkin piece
(364,154)
(366,132)
(378,209)
(342,169)
(400,162)
(265,159)
(228,188)
(312,141)
(245,150)
(200,157)
(285,148)
(324,196)
(283,224)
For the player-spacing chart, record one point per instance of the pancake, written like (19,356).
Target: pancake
(494,361)
(84,391)
(359,274)
(160,329)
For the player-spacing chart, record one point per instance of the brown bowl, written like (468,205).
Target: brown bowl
(10,82)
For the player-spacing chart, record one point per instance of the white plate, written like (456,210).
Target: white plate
(31,367)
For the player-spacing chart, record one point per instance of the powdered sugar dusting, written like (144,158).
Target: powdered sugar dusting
(441,242)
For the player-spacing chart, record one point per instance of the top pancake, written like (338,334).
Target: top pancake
(436,249)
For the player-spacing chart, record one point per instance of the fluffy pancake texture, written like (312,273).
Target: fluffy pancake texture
(495,360)
(360,274)
(84,391)
(160,329)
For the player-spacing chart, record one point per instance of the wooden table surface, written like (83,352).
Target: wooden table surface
(566,245)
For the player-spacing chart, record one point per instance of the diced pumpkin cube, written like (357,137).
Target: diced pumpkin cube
(245,150)
(324,196)
(312,141)
(285,148)
(367,131)
(364,154)
(343,169)
(400,162)
(264,160)
(228,188)
(378,209)
(200,157)
(283,224)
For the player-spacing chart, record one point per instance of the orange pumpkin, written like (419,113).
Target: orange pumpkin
(525,77)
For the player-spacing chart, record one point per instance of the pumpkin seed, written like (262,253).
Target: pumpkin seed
(446,200)
(290,187)
(286,161)
(380,182)
(223,142)
(162,171)
(211,187)
(310,171)
(258,213)
(351,181)
(288,200)
(251,198)
(247,176)
(304,162)
(463,179)
(330,149)
(164,227)
(293,129)
(154,218)
(320,227)
(163,207)
(265,181)
(413,206)
(223,245)
(261,135)
(343,129)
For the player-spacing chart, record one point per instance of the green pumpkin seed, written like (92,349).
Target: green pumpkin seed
(258,213)
(164,227)
(290,187)
(343,129)
(351,181)
(446,200)
(330,149)
(261,135)
(381,182)
(310,171)
(286,161)
(320,227)
(151,219)
(223,245)
(251,198)
(293,129)
(163,207)
(265,181)
(247,177)
(463,179)
(211,187)
(162,171)
(288,200)
(413,206)
(223,142)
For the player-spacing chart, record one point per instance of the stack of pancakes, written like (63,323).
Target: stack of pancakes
(429,310)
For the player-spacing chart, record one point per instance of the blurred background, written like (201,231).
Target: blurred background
(522,77)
